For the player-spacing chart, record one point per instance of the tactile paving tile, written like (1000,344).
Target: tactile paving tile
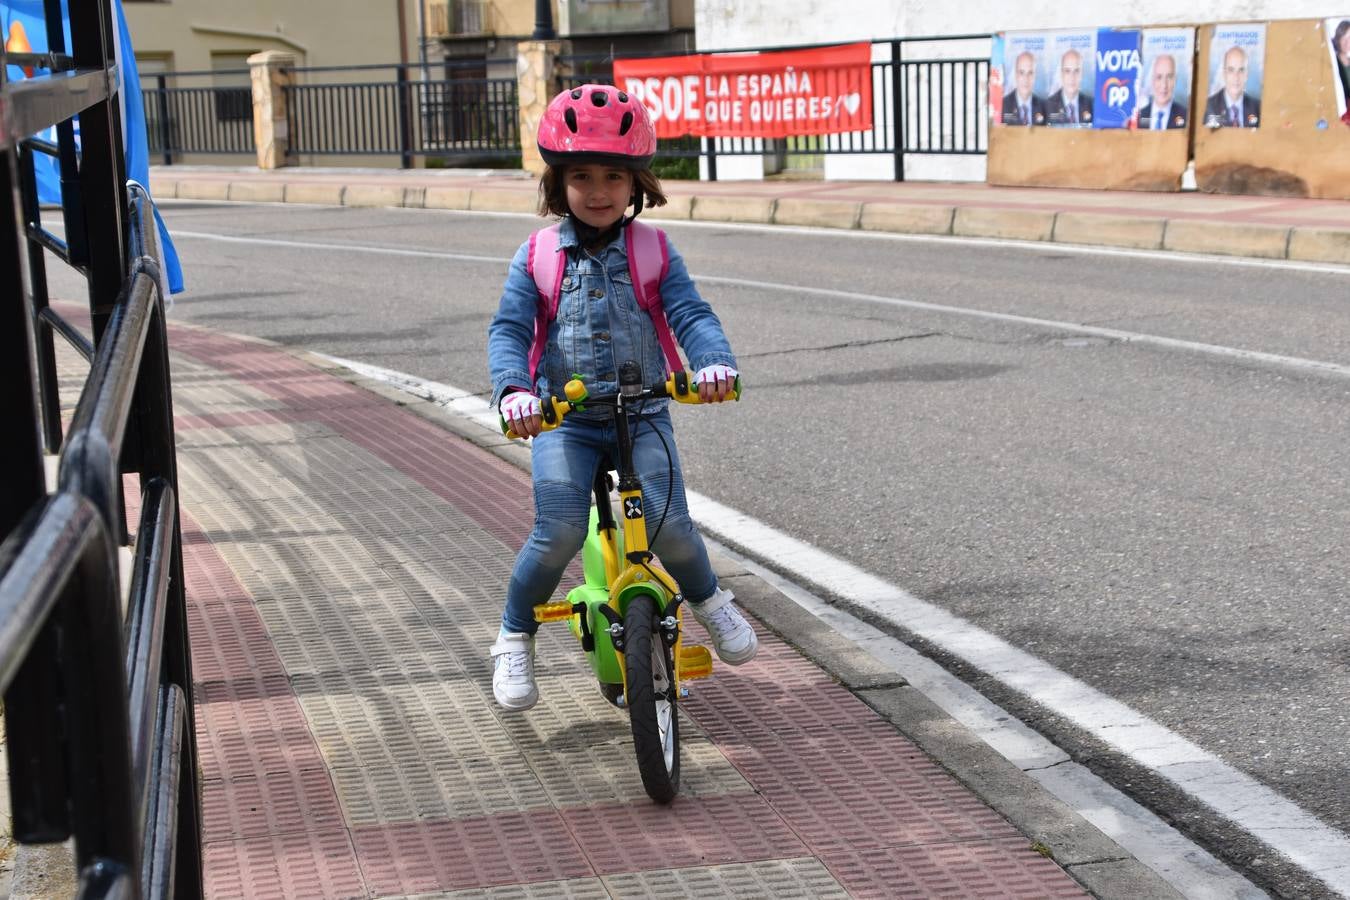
(583,776)
(218,396)
(743,705)
(473,787)
(571,713)
(271,804)
(1005,869)
(863,786)
(691,832)
(250,728)
(240,473)
(469,853)
(350,631)
(206,575)
(285,867)
(575,889)
(390,718)
(781,879)
(228,640)
(494,494)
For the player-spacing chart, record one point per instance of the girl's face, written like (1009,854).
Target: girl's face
(1343,48)
(598,195)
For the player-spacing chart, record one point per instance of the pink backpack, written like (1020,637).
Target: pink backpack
(648,260)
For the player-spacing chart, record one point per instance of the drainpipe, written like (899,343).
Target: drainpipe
(543,21)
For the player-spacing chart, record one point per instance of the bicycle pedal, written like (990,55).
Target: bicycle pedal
(695,662)
(557,611)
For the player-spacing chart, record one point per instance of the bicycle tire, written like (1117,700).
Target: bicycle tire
(652,708)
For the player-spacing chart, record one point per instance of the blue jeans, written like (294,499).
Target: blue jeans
(565,461)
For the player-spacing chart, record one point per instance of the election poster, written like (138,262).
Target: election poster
(1338,44)
(825,90)
(995,91)
(1026,79)
(1165,78)
(1236,70)
(1117,76)
(1072,59)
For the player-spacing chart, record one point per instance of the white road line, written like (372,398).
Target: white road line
(1045,247)
(1250,805)
(1275,360)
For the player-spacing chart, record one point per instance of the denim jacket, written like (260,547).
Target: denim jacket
(599,323)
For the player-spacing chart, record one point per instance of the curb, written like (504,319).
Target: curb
(1316,244)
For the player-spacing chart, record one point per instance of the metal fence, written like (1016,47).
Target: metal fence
(466,117)
(185,115)
(928,98)
(98,701)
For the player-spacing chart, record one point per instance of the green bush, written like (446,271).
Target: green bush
(678,167)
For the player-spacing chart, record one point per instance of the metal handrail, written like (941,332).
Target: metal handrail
(100,742)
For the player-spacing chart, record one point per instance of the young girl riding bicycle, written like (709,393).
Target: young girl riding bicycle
(598,143)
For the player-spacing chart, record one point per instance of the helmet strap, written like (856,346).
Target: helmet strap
(637,208)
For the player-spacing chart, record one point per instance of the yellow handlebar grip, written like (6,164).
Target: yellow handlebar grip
(560,409)
(690,394)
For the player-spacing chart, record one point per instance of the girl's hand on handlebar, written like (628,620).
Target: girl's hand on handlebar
(716,383)
(523,414)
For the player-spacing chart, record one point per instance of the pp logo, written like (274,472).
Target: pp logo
(1116,92)
(632,508)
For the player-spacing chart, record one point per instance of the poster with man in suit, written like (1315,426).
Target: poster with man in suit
(1236,69)
(1338,33)
(1073,78)
(1166,85)
(1024,80)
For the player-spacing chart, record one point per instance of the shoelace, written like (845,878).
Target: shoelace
(517,664)
(723,621)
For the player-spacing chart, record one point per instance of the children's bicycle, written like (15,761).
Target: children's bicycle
(628,615)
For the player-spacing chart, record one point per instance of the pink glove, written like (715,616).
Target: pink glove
(715,373)
(716,383)
(519,406)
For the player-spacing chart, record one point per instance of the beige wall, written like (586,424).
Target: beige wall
(516,17)
(324,33)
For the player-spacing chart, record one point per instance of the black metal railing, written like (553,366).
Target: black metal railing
(98,701)
(184,115)
(410,115)
(932,105)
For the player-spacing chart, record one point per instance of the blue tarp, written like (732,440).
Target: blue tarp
(24,21)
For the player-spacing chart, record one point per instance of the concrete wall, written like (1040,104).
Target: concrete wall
(726,24)
(515,18)
(331,33)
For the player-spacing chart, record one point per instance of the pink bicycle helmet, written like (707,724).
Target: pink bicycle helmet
(597,123)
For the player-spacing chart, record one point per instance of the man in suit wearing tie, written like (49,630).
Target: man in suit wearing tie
(1069,106)
(1233,107)
(1162,111)
(1023,107)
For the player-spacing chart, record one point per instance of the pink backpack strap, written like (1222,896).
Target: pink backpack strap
(545,264)
(648,262)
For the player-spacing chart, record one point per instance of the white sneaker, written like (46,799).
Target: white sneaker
(732,636)
(513,672)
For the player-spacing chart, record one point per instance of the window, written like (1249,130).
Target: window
(233,85)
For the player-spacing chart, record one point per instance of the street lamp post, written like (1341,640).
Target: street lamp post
(543,21)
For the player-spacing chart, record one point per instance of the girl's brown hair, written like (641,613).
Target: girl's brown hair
(553,190)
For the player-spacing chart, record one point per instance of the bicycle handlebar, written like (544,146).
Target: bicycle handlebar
(678,386)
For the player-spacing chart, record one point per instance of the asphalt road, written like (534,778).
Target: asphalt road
(1167,525)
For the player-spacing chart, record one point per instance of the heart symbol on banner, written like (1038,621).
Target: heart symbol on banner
(851,102)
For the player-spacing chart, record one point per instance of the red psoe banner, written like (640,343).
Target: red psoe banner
(827,90)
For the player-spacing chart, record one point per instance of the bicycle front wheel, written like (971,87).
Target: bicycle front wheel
(651,700)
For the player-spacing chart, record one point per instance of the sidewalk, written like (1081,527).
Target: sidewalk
(1264,227)
(345,552)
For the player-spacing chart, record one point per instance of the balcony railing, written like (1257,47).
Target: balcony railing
(450,18)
